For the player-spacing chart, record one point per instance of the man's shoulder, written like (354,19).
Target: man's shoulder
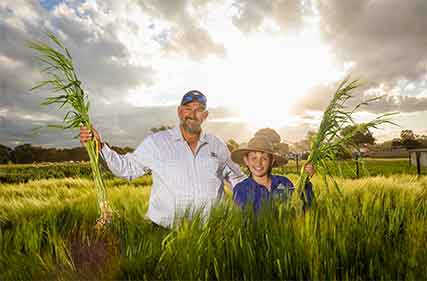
(163,135)
(213,138)
(217,144)
(157,140)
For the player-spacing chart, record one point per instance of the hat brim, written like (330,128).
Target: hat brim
(238,154)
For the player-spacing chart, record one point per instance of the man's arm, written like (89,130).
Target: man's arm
(231,171)
(129,166)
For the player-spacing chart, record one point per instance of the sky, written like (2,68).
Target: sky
(260,63)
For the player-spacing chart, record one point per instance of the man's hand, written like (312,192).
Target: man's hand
(86,135)
(309,169)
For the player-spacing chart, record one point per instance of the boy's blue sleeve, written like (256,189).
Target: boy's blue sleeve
(239,195)
(289,184)
(308,188)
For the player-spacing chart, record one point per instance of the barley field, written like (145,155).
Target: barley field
(375,230)
(20,173)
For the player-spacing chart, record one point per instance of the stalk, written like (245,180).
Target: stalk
(62,78)
(327,142)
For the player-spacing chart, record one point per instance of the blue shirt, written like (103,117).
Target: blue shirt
(249,191)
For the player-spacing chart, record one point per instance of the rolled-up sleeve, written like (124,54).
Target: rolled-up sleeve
(231,171)
(130,165)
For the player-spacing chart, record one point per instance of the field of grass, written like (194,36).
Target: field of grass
(25,172)
(368,167)
(376,230)
(22,173)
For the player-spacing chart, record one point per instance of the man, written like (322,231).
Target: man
(188,165)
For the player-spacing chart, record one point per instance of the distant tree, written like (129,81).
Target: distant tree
(360,137)
(23,154)
(304,144)
(282,148)
(408,139)
(407,135)
(395,143)
(423,140)
(28,154)
(274,137)
(5,154)
(161,128)
(77,154)
(269,133)
(122,150)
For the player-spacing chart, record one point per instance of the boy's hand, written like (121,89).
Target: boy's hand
(309,169)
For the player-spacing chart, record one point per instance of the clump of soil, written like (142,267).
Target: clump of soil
(96,256)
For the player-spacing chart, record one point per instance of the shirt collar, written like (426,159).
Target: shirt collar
(274,182)
(177,135)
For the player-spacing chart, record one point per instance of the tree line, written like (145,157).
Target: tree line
(27,153)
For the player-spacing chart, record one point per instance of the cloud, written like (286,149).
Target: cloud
(103,62)
(185,33)
(135,52)
(403,104)
(100,57)
(392,99)
(16,130)
(118,124)
(251,14)
(316,99)
(385,39)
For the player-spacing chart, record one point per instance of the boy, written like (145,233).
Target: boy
(258,155)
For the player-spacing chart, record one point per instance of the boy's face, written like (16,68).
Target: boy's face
(258,162)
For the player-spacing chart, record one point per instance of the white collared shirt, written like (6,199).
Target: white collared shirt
(182,181)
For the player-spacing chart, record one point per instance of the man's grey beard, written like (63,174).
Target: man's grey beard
(189,129)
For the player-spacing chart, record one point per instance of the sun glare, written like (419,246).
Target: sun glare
(263,74)
(266,76)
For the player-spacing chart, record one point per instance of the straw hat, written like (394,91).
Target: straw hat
(258,143)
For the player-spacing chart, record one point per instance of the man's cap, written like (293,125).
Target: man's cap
(194,95)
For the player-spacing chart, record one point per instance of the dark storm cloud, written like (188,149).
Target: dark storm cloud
(386,39)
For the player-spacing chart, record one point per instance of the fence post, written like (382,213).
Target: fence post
(357,165)
(418,156)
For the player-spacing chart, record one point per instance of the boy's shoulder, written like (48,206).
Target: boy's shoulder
(243,184)
(282,180)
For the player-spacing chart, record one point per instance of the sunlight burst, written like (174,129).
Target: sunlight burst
(265,76)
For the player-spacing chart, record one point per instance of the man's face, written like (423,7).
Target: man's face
(191,116)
